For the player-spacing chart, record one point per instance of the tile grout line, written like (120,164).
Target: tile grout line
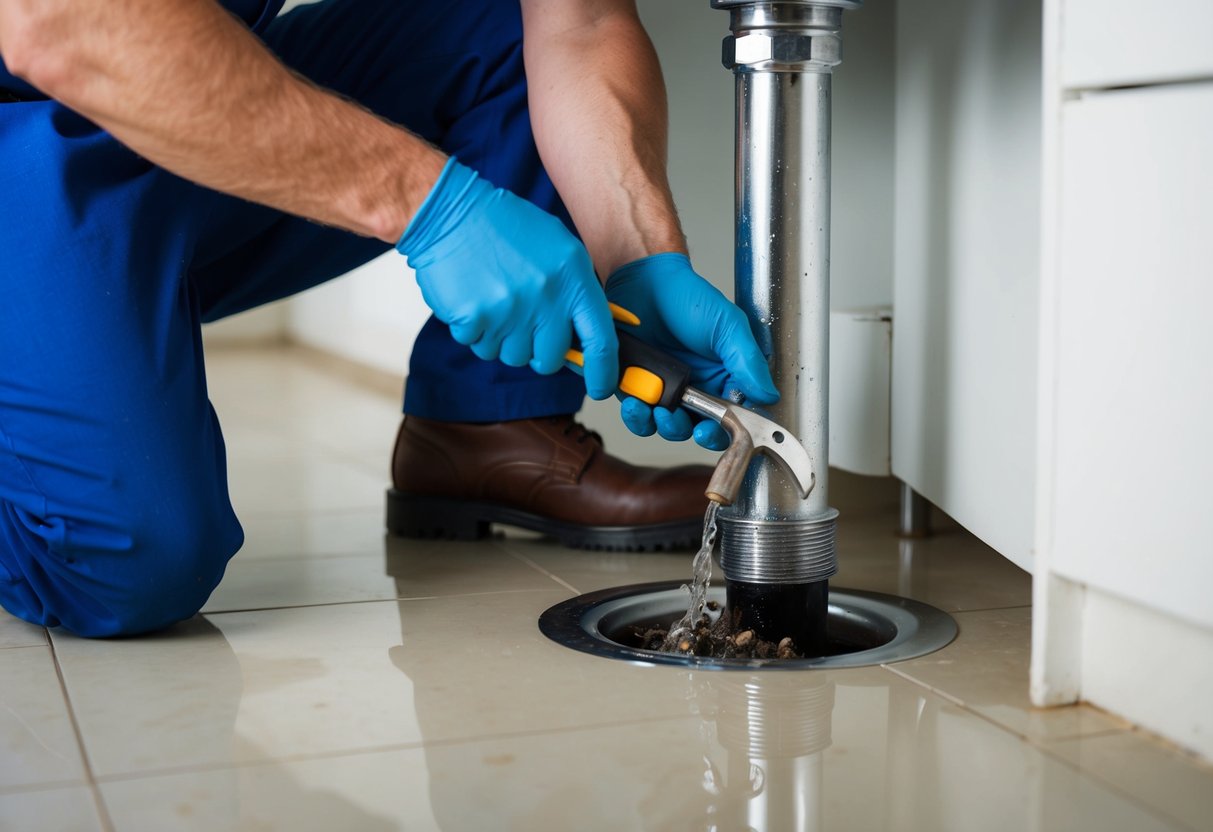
(280,513)
(368,510)
(540,569)
(391,600)
(330,451)
(44,786)
(1043,748)
(46,638)
(380,749)
(989,609)
(1115,788)
(947,697)
(103,817)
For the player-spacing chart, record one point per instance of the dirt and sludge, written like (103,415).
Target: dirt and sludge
(706,630)
(714,636)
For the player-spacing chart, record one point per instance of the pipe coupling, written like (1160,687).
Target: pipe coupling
(783,36)
(778,551)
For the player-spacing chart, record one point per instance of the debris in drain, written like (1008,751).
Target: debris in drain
(718,639)
(711,635)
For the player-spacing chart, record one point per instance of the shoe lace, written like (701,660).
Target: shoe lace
(572,426)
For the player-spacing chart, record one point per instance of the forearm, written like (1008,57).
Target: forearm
(598,110)
(185,85)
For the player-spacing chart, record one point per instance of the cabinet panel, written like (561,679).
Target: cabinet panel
(1119,42)
(1134,388)
(860,362)
(967,263)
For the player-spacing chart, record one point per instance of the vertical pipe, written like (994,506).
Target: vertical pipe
(782,268)
(782,54)
(915,513)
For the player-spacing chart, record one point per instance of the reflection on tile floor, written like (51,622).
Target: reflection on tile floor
(37,744)
(341,680)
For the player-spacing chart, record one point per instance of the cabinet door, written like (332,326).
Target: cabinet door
(1119,42)
(1133,499)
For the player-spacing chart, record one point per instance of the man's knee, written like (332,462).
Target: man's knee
(136,574)
(180,562)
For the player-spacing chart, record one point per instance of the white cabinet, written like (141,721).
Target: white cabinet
(1124,531)
(1052,351)
(1133,416)
(966,262)
(1106,43)
(860,372)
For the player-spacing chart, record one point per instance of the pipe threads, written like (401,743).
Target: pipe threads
(768,722)
(778,551)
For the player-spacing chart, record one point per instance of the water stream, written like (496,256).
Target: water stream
(701,571)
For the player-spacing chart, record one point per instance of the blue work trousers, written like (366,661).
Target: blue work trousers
(114,509)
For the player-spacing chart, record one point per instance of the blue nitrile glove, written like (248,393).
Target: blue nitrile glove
(685,315)
(509,279)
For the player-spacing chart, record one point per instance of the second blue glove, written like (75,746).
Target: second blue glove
(685,315)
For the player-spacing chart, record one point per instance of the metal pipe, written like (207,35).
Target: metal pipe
(915,513)
(777,549)
(775,735)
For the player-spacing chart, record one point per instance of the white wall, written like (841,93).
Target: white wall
(371,315)
(688,34)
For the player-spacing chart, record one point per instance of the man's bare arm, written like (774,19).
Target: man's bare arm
(188,87)
(598,109)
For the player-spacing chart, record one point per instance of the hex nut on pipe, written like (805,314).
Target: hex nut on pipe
(761,51)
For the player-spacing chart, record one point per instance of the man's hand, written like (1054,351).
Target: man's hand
(508,279)
(688,317)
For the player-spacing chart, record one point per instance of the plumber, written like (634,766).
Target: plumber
(164,163)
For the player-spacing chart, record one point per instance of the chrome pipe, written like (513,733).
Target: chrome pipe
(914,513)
(782,54)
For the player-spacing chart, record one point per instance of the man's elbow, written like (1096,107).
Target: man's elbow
(35,47)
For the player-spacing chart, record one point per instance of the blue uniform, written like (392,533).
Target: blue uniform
(114,508)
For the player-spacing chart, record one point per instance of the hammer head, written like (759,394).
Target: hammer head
(752,433)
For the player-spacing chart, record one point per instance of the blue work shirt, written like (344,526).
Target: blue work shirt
(256,13)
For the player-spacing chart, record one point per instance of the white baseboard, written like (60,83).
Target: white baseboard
(1149,667)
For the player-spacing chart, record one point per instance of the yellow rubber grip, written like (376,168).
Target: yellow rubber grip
(637,381)
(622,315)
(643,384)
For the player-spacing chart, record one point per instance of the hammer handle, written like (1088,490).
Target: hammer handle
(645,372)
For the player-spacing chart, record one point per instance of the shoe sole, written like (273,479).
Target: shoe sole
(430,518)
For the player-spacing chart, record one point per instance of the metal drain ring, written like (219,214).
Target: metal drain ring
(902,628)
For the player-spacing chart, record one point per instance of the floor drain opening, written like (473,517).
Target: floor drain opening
(864,628)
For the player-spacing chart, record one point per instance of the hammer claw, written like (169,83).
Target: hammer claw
(750,433)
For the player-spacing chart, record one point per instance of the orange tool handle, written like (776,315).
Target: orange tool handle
(646,372)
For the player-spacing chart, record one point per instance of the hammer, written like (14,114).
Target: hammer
(659,379)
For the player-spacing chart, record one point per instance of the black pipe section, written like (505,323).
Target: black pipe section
(778,611)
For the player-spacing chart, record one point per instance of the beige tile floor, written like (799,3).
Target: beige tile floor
(341,681)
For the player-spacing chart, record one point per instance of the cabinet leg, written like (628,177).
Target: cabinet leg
(915,514)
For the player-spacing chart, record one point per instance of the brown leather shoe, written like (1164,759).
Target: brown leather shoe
(549,475)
